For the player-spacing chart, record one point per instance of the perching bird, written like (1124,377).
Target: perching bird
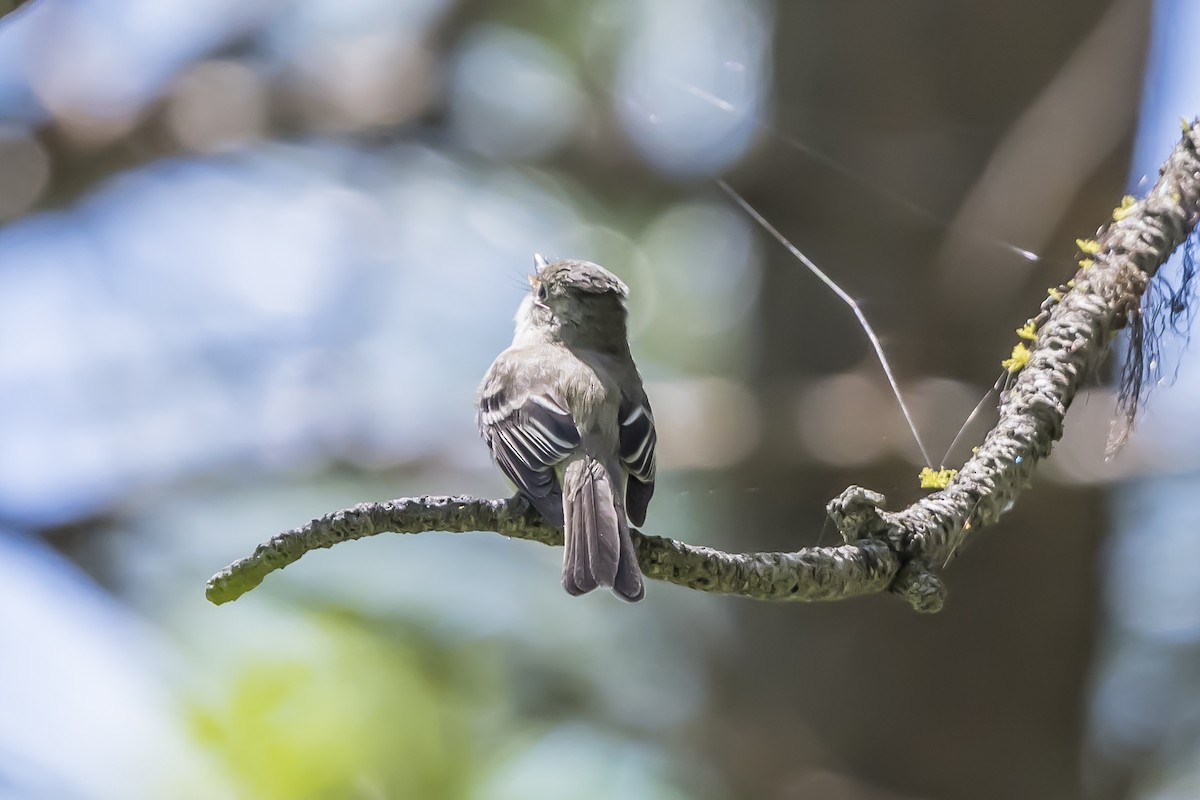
(567,420)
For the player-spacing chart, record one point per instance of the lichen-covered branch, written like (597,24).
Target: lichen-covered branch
(894,551)
(812,574)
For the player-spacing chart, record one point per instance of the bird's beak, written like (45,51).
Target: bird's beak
(540,262)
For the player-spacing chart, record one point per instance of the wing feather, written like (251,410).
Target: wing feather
(529,435)
(638,442)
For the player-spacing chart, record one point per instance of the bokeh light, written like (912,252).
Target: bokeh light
(512,96)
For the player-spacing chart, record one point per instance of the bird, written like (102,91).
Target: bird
(566,418)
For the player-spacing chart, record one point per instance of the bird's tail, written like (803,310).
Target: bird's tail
(599,550)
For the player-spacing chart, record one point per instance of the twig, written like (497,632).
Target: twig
(885,550)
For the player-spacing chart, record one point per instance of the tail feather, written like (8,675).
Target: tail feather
(629,584)
(598,549)
(579,513)
(570,558)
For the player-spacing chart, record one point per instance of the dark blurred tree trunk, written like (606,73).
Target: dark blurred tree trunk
(865,698)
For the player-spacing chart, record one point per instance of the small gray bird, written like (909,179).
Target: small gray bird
(567,420)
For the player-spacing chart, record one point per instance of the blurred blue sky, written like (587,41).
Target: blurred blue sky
(1145,708)
(269,307)
(197,339)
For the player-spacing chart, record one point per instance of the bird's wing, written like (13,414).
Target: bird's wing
(638,441)
(528,434)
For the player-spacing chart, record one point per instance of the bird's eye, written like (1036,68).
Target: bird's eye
(541,292)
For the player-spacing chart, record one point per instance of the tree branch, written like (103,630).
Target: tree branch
(885,550)
(811,574)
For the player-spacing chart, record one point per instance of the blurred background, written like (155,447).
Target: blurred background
(255,257)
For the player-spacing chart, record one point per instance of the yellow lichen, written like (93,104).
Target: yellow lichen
(1125,209)
(1028,331)
(1087,263)
(936,479)
(1089,246)
(1055,294)
(1020,357)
